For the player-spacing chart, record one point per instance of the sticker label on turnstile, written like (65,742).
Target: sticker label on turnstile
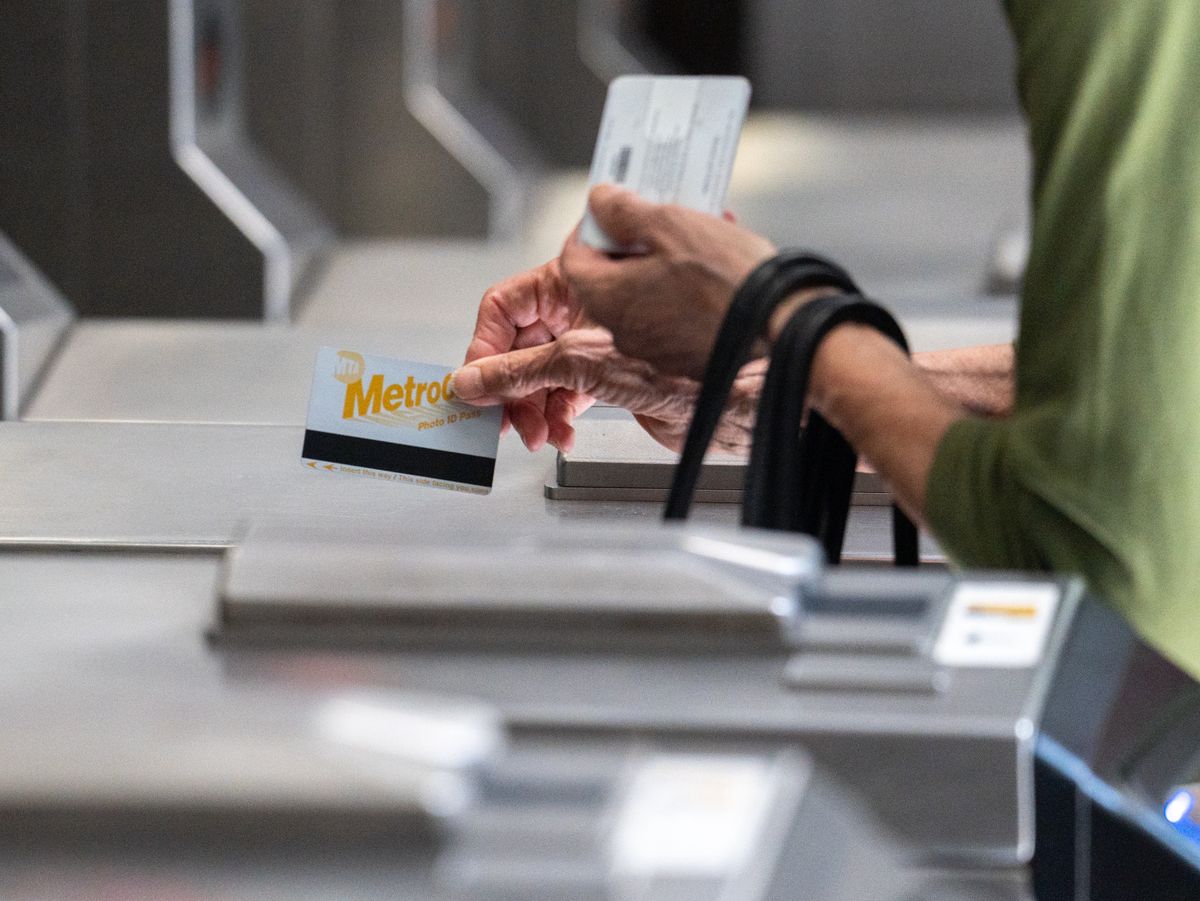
(694,816)
(996,624)
(669,139)
(399,421)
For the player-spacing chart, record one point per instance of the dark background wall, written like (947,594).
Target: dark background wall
(889,56)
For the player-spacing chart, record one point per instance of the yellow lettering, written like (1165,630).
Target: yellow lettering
(377,396)
(393,398)
(360,403)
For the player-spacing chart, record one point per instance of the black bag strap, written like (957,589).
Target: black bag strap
(769,284)
(801,479)
(802,482)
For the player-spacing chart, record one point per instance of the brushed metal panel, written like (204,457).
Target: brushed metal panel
(170,485)
(221,372)
(399,283)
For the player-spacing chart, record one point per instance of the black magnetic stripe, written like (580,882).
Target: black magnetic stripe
(403,458)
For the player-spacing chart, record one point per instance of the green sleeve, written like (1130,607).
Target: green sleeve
(971,500)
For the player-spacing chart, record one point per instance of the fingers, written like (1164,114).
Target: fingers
(512,376)
(537,297)
(600,281)
(623,216)
(532,335)
(563,406)
(542,384)
(530,422)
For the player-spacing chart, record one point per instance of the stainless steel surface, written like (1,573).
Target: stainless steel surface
(210,144)
(34,317)
(172,485)
(917,755)
(104,665)
(614,451)
(557,492)
(693,589)
(158,728)
(218,372)
(398,284)
(615,460)
(101,639)
(181,485)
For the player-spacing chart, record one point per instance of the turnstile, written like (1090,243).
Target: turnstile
(364,104)
(677,633)
(137,762)
(126,177)
(175,485)
(1117,765)
(34,319)
(548,66)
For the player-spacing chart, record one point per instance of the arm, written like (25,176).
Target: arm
(885,406)
(893,410)
(978,378)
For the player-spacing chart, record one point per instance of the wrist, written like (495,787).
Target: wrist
(850,353)
(787,308)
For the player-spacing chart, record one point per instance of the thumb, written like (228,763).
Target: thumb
(622,215)
(508,376)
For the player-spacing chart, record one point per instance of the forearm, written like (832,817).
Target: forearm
(885,406)
(980,379)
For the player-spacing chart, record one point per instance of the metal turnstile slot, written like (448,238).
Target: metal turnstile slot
(556,588)
(852,672)
(615,460)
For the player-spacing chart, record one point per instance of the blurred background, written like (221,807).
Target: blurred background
(254,158)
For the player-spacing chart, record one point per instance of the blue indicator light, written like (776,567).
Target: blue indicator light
(1181,812)
(1179,806)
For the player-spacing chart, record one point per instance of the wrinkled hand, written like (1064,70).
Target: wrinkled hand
(666,303)
(585,363)
(527,310)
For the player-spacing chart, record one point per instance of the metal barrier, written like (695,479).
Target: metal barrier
(1118,771)
(209,143)
(124,181)
(361,104)
(33,320)
(548,65)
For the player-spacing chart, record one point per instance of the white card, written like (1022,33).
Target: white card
(997,624)
(692,816)
(669,139)
(397,420)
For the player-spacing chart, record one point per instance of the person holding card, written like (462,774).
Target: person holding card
(1083,458)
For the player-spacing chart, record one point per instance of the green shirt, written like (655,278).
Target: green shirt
(1098,470)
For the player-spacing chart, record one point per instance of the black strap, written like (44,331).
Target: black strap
(768,285)
(801,479)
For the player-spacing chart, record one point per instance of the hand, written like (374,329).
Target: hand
(664,305)
(527,310)
(584,362)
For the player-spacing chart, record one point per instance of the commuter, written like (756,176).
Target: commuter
(1074,453)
